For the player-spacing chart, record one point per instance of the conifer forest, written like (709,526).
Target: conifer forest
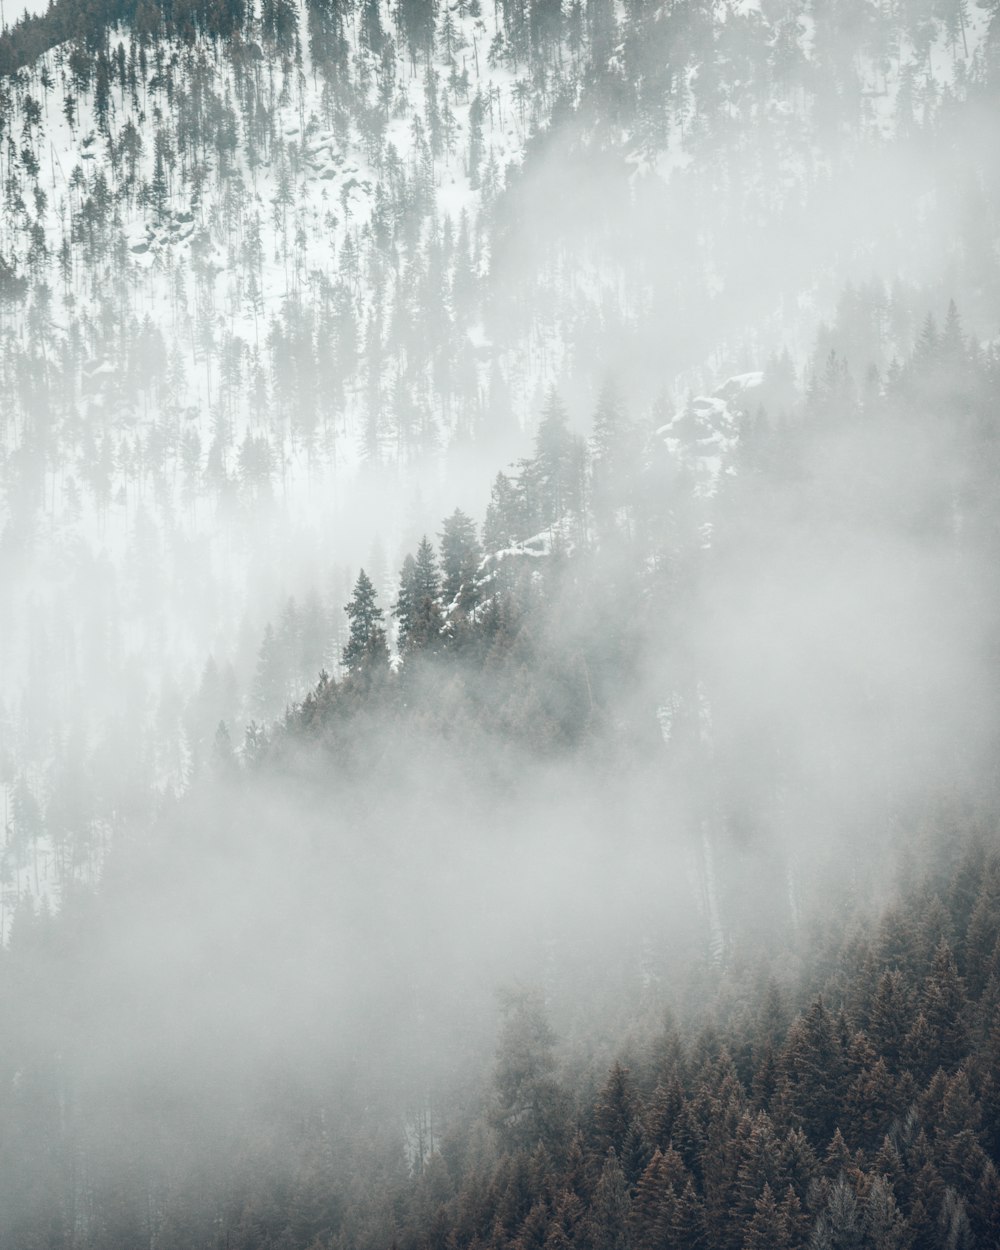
(500,625)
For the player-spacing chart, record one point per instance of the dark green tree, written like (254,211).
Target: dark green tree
(839,1226)
(615,1109)
(366,651)
(553,478)
(404,609)
(944,1007)
(610,1211)
(461,555)
(812,1072)
(504,515)
(767,1229)
(417,609)
(528,1103)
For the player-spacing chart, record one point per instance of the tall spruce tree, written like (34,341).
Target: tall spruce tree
(417,609)
(366,650)
(460,557)
(404,609)
(553,478)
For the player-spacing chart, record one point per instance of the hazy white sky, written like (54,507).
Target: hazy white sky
(12,10)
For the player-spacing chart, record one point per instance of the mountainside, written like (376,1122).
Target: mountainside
(499,542)
(273,281)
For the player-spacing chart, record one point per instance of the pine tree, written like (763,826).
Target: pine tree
(636,1152)
(760,1165)
(687,1222)
(952,338)
(404,609)
(812,1071)
(985,1206)
(944,1007)
(960,1109)
(417,607)
(223,756)
(460,558)
(428,579)
(767,1229)
(649,1216)
(798,1162)
(839,1226)
(666,1104)
(366,651)
(615,1109)
(528,1106)
(553,478)
(504,524)
(883,1222)
(919,1052)
(953,1223)
(838,1159)
(610,1211)
(888,1021)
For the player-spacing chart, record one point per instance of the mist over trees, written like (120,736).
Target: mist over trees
(459,798)
(498,626)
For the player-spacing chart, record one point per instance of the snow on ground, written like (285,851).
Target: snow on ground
(702,437)
(180,266)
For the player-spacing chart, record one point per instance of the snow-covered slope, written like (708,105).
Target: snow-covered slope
(197,254)
(271,306)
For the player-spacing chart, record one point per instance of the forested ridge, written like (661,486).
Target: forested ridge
(282,289)
(858,1108)
(851,1102)
(829,1075)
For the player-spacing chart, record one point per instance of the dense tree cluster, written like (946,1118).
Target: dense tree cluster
(544,625)
(864,1117)
(538,625)
(852,1104)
